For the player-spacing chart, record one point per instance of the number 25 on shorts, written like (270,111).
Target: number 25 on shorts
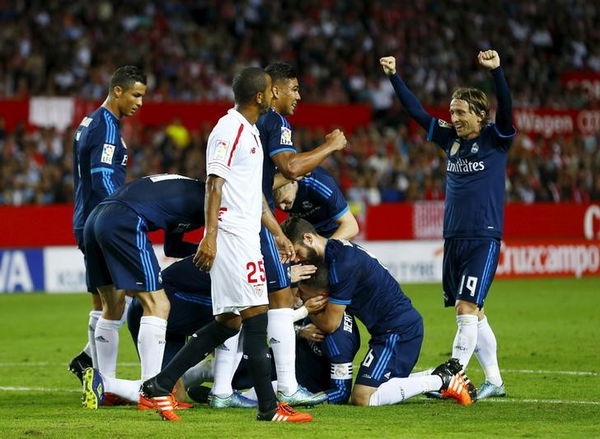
(256,272)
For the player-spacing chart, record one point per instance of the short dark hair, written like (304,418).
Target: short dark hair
(295,228)
(281,71)
(476,99)
(318,281)
(247,83)
(126,76)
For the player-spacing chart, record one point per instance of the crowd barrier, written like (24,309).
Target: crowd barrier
(38,253)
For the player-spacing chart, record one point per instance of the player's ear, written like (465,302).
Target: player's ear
(307,238)
(117,91)
(275,91)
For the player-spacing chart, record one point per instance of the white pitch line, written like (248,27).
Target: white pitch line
(539,401)
(552,372)
(485,401)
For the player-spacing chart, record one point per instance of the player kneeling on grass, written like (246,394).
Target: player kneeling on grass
(357,282)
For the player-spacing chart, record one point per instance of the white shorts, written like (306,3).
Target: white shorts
(238,279)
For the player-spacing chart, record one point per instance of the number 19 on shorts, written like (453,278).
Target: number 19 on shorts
(471,284)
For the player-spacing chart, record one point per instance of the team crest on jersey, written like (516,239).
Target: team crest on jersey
(221,149)
(444,124)
(286,136)
(474,148)
(455,147)
(108,151)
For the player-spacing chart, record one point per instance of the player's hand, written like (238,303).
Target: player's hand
(337,139)
(206,253)
(316,304)
(489,59)
(286,249)
(311,332)
(389,65)
(300,272)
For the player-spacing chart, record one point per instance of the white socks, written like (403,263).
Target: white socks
(127,389)
(107,346)
(397,390)
(465,339)
(282,339)
(151,345)
(486,352)
(90,347)
(227,359)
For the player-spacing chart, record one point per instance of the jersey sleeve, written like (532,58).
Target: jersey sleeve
(102,144)
(279,135)
(440,132)
(340,348)
(220,151)
(342,282)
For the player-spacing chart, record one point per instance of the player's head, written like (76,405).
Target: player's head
(305,240)
(286,195)
(470,111)
(127,88)
(286,91)
(252,87)
(316,285)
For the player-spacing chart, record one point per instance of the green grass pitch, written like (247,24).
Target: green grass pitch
(548,334)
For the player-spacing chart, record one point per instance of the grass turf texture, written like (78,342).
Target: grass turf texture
(541,325)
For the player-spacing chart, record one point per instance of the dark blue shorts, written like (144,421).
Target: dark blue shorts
(391,355)
(278,274)
(468,269)
(118,250)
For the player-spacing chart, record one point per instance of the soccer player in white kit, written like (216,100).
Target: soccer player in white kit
(230,250)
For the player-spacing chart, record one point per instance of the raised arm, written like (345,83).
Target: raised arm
(407,98)
(294,165)
(491,60)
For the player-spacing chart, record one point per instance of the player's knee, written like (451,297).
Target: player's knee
(283,298)
(360,398)
(464,307)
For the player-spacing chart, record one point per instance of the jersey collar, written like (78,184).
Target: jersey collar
(243,120)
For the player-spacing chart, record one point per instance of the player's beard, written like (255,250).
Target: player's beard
(312,257)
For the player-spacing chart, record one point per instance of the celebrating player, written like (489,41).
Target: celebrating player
(476,151)
(230,250)
(99,162)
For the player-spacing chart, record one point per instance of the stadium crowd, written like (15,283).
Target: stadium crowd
(190,51)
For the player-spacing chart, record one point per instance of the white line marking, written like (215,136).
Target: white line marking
(539,401)
(552,372)
(46,363)
(485,401)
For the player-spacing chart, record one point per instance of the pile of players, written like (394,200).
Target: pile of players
(300,285)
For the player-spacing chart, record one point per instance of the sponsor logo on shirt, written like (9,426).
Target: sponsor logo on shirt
(463,166)
(108,151)
(286,136)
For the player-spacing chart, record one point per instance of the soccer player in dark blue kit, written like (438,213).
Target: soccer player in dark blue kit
(280,154)
(476,151)
(357,282)
(100,161)
(319,200)
(120,258)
